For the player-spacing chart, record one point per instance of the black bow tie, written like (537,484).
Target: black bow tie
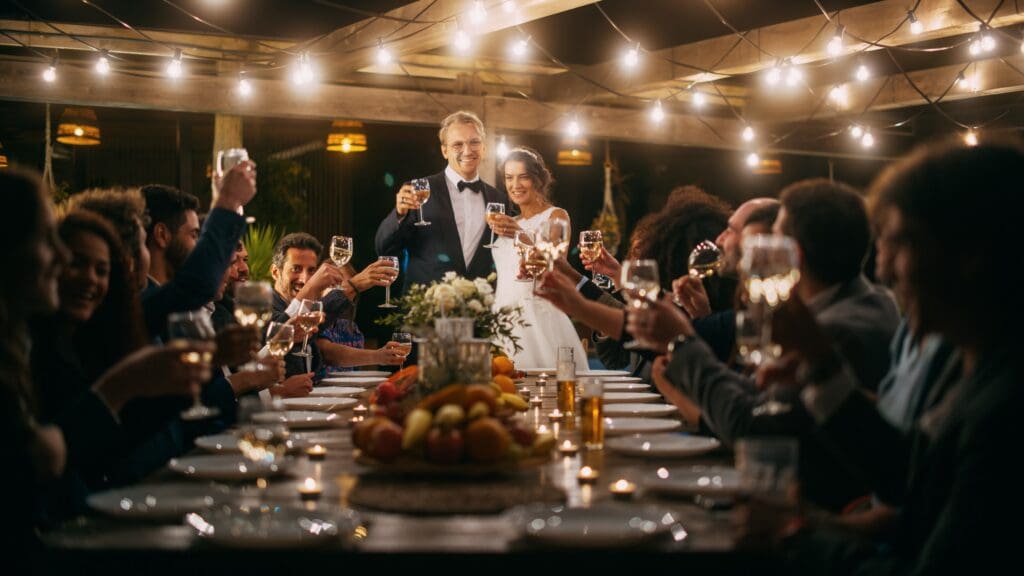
(476,185)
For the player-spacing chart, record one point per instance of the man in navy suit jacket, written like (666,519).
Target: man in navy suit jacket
(456,210)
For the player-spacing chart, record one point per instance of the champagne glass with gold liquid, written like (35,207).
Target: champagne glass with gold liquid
(421,190)
(493,209)
(590,248)
(254,303)
(311,315)
(185,329)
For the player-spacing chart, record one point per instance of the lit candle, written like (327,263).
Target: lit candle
(536,401)
(355,420)
(587,475)
(310,489)
(555,415)
(542,380)
(360,410)
(316,452)
(567,448)
(542,429)
(525,393)
(622,489)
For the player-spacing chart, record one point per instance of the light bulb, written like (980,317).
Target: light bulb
(698,98)
(244,87)
(916,27)
(862,73)
(574,128)
(835,44)
(988,42)
(461,41)
(79,131)
(748,134)
(975,47)
(793,76)
(839,96)
(50,74)
(657,113)
(519,47)
(174,68)
(971,138)
(773,75)
(856,131)
(478,13)
(867,140)
(102,65)
(631,58)
(346,145)
(502,148)
(753,159)
(383,54)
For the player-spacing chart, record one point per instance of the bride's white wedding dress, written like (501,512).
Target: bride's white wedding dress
(548,327)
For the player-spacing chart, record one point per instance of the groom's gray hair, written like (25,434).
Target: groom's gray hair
(460,117)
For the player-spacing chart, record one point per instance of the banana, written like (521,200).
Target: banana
(450,415)
(494,386)
(515,401)
(417,424)
(478,410)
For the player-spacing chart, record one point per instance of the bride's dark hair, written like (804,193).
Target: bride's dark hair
(535,167)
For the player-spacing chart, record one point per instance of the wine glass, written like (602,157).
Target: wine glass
(421,190)
(493,208)
(387,289)
(553,239)
(254,303)
(590,248)
(524,242)
(341,250)
(184,329)
(769,269)
(280,339)
(310,315)
(404,339)
(705,260)
(750,334)
(228,159)
(641,286)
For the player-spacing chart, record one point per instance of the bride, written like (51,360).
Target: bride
(528,182)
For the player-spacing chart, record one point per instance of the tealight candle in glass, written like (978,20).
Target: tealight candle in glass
(310,489)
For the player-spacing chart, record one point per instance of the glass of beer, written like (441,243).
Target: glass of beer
(567,383)
(592,413)
(421,190)
(493,209)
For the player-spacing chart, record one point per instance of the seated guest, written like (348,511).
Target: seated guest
(224,312)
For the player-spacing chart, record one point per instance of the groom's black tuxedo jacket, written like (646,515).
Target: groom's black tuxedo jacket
(435,249)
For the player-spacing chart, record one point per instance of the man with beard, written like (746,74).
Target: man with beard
(454,240)
(172,231)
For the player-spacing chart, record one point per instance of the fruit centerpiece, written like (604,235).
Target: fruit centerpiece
(459,427)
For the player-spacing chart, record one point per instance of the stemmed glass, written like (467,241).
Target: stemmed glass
(590,248)
(769,270)
(393,260)
(404,339)
(341,250)
(641,286)
(254,303)
(184,329)
(553,239)
(705,260)
(493,208)
(280,339)
(524,241)
(311,315)
(421,190)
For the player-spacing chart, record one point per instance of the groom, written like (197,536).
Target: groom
(458,197)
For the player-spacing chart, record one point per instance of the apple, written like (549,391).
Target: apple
(385,441)
(445,447)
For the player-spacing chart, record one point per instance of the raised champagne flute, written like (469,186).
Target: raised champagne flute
(310,315)
(641,285)
(184,329)
(524,241)
(228,159)
(493,209)
(254,303)
(769,270)
(590,248)
(553,239)
(421,190)
(404,340)
(387,289)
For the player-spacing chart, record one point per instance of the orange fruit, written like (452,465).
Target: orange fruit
(506,383)
(487,440)
(502,365)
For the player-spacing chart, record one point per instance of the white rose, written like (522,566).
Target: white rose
(482,286)
(475,306)
(449,276)
(446,297)
(464,287)
(488,300)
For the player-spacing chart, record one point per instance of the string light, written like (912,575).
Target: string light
(793,76)
(698,98)
(856,131)
(632,57)
(657,113)
(984,42)
(968,82)
(773,75)
(916,27)
(502,148)
(519,47)
(753,159)
(867,140)
(50,73)
(971,138)
(477,13)
(574,129)
(462,41)
(839,96)
(244,87)
(748,134)
(383,54)
(863,73)
(303,73)
(835,45)
(174,67)
(102,64)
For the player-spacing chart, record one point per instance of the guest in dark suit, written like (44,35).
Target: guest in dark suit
(456,210)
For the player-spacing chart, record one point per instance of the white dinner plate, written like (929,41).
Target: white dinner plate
(663,445)
(300,419)
(362,381)
(602,373)
(626,387)
(322,404)
(325,438)
(360,374)
(694,480)
(272,526)
(337,391)
(603,525)
(224,467)
(633,397)
(627,425)
(645,410)
(158,502)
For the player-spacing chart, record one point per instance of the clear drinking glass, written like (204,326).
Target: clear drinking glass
(592,413)
(228,159)
(280,339)
(421,190)
(769,269)
(768,466)
(493,208)
(183,330)
(641,285)
(387,289)
(553,239)
(524,243)
(254,303)
(341,250)
(311,315)
(405,339)
(590,248)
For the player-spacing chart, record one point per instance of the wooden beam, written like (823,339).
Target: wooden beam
(992,77)
(941,18)
(120,40)
(215,95)
(356,44)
